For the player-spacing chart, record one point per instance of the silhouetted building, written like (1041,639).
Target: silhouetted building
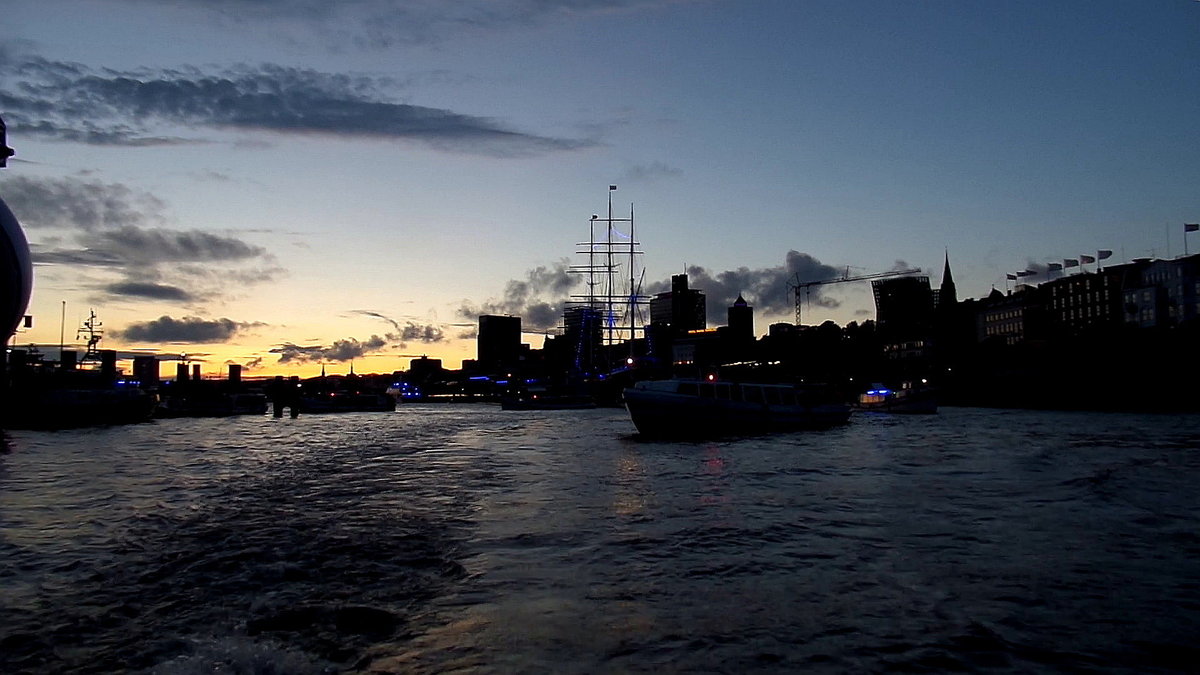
(1162,292)
(904,316)
(737,338)
(499,341)
(145,370)
(1012,319)
(681,308)
(741,320)
(1087,302)
(424,371)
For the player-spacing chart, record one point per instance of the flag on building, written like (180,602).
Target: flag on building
(1070,262)
(1085,259)
(1104,254)
(1054,267)
(1191,227)
(1024,273)
(1011,277)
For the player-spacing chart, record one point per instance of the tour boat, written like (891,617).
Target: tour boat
(907,399)
(693,407)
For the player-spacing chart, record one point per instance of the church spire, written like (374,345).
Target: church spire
(948,294)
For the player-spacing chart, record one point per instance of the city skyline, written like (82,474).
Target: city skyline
(282,185)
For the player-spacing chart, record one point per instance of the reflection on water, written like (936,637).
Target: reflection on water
(465,537)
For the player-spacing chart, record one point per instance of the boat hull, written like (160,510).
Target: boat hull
(903,401)
(71,408)
(656,411)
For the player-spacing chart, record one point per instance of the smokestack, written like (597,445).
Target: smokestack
(196,372)
(181,374)
(108,363)
(235,374)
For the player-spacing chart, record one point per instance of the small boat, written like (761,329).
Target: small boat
(908,399)
(693,407)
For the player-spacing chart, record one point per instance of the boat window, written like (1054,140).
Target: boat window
(753,394)
(789,397)
(735,392)
(687,388)
(723,392)
(772,395)
(706,390)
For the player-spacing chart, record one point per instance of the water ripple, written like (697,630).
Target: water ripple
(467,538)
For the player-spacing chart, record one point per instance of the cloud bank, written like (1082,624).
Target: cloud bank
(373,24)
(115,228)
(352,348)
(189,330)
(538,299)
(72,102)
(766,288)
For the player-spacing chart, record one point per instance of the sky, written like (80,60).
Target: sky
(291,184)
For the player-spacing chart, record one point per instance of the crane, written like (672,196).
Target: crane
(804,286)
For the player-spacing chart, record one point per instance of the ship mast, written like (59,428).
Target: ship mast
(91,329)
(611,312)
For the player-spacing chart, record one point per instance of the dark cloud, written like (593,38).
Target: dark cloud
(109,225)
(767,289)
(538,299)
(72,102)
(76,203)
(189,329)
(340,350)
(427,333)
(366,312)
(43,255)
(142,289)
(643,173)
(383,23)
(158,245)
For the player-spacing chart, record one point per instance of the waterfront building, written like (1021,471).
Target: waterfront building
(499,341)
(1011,318)
(1163,293)
(1086,302)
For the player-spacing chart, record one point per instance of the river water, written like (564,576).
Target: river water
(463,537)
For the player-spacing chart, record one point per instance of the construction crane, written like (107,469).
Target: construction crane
(804,286)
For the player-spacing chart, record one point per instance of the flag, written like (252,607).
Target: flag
(1026,273)
(1085,259)
(1010,277)
(1054,267)
(1070,262)
(1191,227)
(612,187)
(1103,254)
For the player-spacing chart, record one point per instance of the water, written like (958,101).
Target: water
(443,538)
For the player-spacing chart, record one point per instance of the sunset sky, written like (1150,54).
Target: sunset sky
(286,183)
